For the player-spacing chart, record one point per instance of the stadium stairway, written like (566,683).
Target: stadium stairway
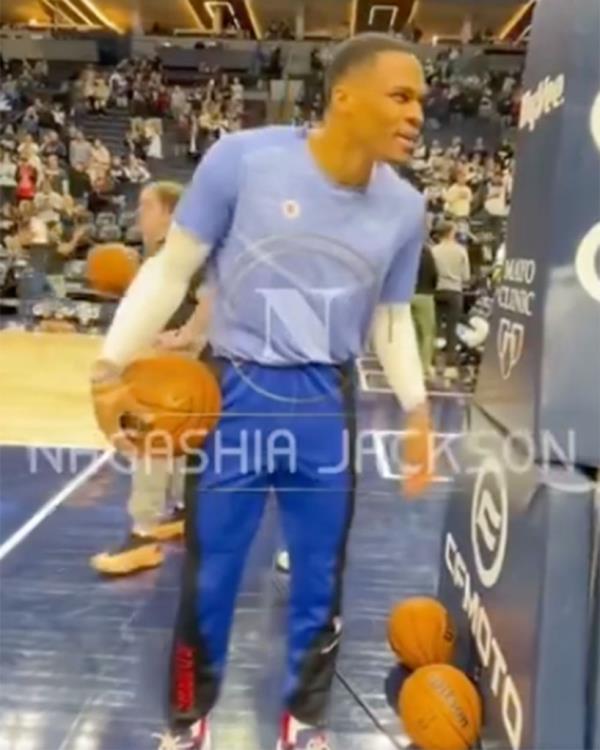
(110,128)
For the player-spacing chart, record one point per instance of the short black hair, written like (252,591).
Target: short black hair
(358,50)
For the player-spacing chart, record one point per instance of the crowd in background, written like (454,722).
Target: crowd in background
(56,180)
(456,90)
(63,190)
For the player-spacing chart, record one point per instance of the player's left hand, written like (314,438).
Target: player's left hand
(418,452)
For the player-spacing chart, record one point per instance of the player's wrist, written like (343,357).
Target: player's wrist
(419,413)
(105,371)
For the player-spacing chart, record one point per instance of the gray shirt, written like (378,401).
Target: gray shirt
(80,152)
(452,263)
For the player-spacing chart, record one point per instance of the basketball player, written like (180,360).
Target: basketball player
(311,237)
(156,480)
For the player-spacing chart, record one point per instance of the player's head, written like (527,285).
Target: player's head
(448,231)
(155,210)
(375,87)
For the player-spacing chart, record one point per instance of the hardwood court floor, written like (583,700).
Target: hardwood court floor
(44,390)
(84,660)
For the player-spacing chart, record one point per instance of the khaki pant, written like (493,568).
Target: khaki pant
(58,285)
(154,482)
(423,312)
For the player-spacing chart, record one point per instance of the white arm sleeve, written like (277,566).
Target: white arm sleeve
(154,295)
(396,347)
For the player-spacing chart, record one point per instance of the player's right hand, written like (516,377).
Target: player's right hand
(418,453)
(119,415)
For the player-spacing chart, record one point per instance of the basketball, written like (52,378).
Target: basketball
(111,268)
(421,632)
(181,398)
(440,708)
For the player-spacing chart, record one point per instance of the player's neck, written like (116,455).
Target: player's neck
(338,157)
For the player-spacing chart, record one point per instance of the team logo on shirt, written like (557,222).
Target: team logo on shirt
(291,209)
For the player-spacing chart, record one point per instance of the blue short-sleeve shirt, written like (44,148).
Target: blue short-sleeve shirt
(298,263)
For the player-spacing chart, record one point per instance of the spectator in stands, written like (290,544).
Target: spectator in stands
(158,102)
(153,134)
(8,177)
(8,221)
(32,232)
(8,141)
(52,145)
(474,172)
(117,172)
(505,152)
(10,89)
(183,135)
(155,79)
(456,149)
(136,171)
(88,79)
(80,150)
(100,95)
(496,203)
(99,160)
(30,120)
(423,308)
(56,175)
(459,197)
(135,140)
(59,116)
(101,197)
(40,71)
(48,204)
(29,150)
(211,91)
(237,90)
(117,85)
(138,103)
(486,105)
(489,167)
(27,178)
(453,271)
(442,166)
(79,181)
(5,103)
(178,102)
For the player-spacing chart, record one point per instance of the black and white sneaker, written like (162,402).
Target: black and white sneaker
(197,737)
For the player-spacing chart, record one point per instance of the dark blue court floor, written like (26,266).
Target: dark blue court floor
(83,660)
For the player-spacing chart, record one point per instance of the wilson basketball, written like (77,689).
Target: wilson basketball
(111,268)
(181,399)
(421,632)
(440,708)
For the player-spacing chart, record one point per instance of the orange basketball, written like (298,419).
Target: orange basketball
(111,268)
(181,399)
(421,632)
(440,708)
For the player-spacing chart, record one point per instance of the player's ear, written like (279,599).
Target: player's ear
(341,98)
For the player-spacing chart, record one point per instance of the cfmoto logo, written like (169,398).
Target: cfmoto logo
(489,521)
(509,344)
